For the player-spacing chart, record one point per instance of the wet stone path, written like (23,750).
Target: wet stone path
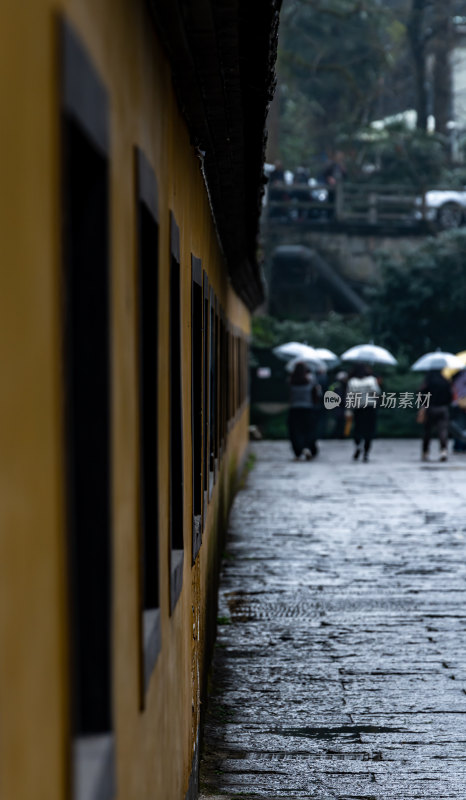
(340,662)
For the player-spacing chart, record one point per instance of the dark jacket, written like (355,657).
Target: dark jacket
(439,388)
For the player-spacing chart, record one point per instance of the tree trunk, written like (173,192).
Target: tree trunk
(416,37)
(442,84)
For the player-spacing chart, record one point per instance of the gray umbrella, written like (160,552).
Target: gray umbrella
(437,360)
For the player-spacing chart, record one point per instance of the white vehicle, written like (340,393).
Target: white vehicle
(447,207)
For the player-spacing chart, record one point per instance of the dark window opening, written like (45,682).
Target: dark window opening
(206,372)
(148,237)
(87,371)
(87,416)
(238,373)
(218,387)
(176,421)
(247,372)
(87,395)
(233,375)
(225,380)
(228,373)
(241,368)
(196,400)
(223,384)
(212,390)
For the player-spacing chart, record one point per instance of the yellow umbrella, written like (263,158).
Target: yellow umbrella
(448,372)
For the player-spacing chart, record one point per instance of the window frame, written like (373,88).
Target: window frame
(206,393)
(176,425)
(84,109)
(197,396)
(147,207)
(212,391)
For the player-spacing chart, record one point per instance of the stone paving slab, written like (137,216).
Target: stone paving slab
(340,663)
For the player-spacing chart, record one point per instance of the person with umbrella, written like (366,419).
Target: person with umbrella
(304,408)
(437,413)
(365,389)
(457,426)
(323,381)
(340,387)
(438,390)
(459,411)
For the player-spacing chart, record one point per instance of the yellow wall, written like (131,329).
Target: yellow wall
(153,747)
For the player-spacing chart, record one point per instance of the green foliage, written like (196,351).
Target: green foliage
(335,332)
(297,145)
(271,426)
(421,302)
(332,58)
(406,156)
(248,467)
(454,178)
(419,305)
(343,64)
(399,422)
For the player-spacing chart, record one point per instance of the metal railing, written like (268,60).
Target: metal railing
(346,203)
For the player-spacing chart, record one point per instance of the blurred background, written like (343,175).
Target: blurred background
(363,232)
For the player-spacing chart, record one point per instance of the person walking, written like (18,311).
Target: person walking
(322,379)
(303,412)
(333,174)
(277,192)
(340,387)
(437,412)
(362,397)
(458,412)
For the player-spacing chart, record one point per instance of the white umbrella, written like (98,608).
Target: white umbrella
(368,354)
(290,350)
(312,362)
(437,360)
(327,355)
